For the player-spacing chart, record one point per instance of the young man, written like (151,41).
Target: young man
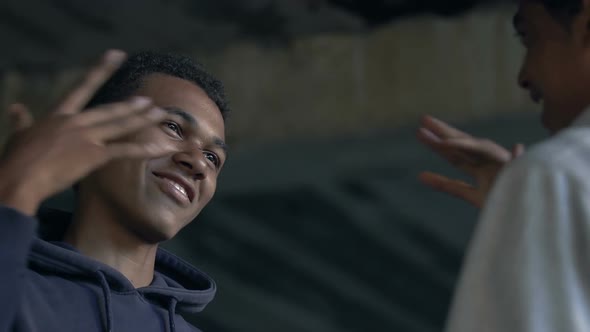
(144,156)
(528,267)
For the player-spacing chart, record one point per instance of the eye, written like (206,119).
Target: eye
(174,127)
(212,158)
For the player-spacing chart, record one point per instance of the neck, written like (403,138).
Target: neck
(98,232)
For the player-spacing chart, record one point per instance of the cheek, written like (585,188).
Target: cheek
(559,65)
(121,183)
(132,180)
(158,163)
(208,189)
(122,171)
(538,65)
(148,135)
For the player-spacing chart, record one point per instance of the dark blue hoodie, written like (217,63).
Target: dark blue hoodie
(49,286)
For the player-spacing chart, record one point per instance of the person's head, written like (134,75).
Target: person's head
(556,68)
(147,195)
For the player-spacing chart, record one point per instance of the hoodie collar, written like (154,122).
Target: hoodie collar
(174,278)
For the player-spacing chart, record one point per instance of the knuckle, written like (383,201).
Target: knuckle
(115,109)
(486,141)
(94,74)
(71,121)
(130,123)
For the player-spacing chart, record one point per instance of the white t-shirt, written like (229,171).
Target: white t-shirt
(528,265)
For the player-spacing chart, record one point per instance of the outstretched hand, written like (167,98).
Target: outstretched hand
(46,156)
(481,159)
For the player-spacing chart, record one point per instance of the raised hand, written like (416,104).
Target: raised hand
(481,159)
(46,156)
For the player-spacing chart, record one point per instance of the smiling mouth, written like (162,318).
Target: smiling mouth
(174,190)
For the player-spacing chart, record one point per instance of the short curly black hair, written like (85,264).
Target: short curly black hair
(562,10)
(129,77)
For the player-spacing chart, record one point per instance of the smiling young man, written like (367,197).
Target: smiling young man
(145,155)
(528,266)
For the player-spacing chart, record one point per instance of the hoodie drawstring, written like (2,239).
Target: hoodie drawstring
(107,300)
(171,312)
(108,310)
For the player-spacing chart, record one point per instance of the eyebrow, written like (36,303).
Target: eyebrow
(186,116)
(221,144)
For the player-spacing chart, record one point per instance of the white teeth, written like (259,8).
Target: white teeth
(179,188)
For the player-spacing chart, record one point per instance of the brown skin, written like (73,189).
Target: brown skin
(556,67)
(479,158)
(122,213)
(557,62)
(49,155)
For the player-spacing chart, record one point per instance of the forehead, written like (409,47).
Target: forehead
(526,11)
(173,92)
(533,14)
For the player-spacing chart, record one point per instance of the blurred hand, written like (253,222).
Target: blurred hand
(47,156)
(479,158)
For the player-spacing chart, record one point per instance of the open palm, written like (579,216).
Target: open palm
(481,159)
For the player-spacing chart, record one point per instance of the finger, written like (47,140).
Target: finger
(113,111)
(118,128)
(481,151)
(20,117)
(434,142)
(456,156)
(140,151)
(428,137)
(517,150)
(441,129)
(452,187)
(93,80)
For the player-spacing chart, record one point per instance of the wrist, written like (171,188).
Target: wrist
(16,192)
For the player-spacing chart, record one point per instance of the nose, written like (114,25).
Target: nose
(192,163)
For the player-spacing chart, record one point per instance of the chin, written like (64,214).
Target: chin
(550,121)
(555,119)
(157,233)
(157,226)
(159,219)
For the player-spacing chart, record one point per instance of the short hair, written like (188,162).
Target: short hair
(562,10)
(128,78)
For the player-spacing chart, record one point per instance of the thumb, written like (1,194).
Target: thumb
(20,117)
(517,150)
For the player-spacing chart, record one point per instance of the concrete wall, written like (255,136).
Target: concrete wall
(330,85)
